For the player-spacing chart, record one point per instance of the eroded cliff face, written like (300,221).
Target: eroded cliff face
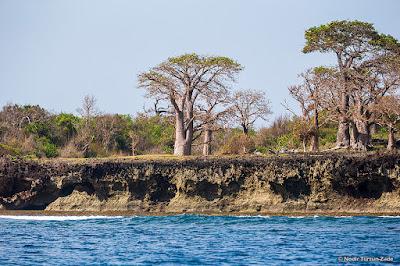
(321,183)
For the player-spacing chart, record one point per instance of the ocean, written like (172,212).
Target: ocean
(198,240)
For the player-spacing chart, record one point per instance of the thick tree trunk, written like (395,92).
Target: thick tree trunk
(343,134)
(353,134)
(207,142)
(180,147)
(190,129)
(314,143)
(391,140)
(181,143)
(362,126)
(363,137)
(315,136)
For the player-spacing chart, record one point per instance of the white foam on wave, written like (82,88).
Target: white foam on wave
(343,216)
(55,218)
(252,216)
(297,217)
(389,216)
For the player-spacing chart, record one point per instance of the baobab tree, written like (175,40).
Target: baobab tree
(180,81)
(371,84)
(248,106)
(353,43)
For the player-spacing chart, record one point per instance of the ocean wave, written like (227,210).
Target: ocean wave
(55,218)
(304,216)
(251,216)
(389,216)
(343,216)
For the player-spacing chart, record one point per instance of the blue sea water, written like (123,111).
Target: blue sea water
(196,240)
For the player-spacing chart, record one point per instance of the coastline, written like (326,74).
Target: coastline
(301,185)
(158,214)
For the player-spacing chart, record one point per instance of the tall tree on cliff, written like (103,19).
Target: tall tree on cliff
(180,81)
(379,78)
(352,42)
(373,79)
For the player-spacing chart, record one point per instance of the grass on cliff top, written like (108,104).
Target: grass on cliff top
(149,157)
(170,157)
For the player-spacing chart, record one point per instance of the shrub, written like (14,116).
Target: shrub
(9,150)
(327,136)
(67,125)
(287,141)
(46,148)
(238,144)
(155,133)
(71,151)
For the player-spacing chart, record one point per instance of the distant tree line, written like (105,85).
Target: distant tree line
(196,109)
(32,130)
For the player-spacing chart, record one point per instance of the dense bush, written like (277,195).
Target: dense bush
(155,134)
(238,143)
(32,131)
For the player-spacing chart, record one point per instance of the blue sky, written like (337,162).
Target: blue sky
(54,52)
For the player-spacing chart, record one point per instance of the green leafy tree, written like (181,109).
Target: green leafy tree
(67,125)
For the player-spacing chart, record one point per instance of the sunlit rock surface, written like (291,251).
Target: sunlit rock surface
(309,183)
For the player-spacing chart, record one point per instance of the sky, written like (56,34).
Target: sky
(53,52)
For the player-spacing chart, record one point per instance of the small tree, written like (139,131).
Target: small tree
(387,114)
(89,108)
(86,132)
(308,94)
(67,125)
(248,106)
(135,140)
(212,115)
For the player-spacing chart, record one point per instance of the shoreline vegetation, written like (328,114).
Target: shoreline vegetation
(197,150)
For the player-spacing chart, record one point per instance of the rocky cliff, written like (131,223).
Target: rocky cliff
(307,184)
